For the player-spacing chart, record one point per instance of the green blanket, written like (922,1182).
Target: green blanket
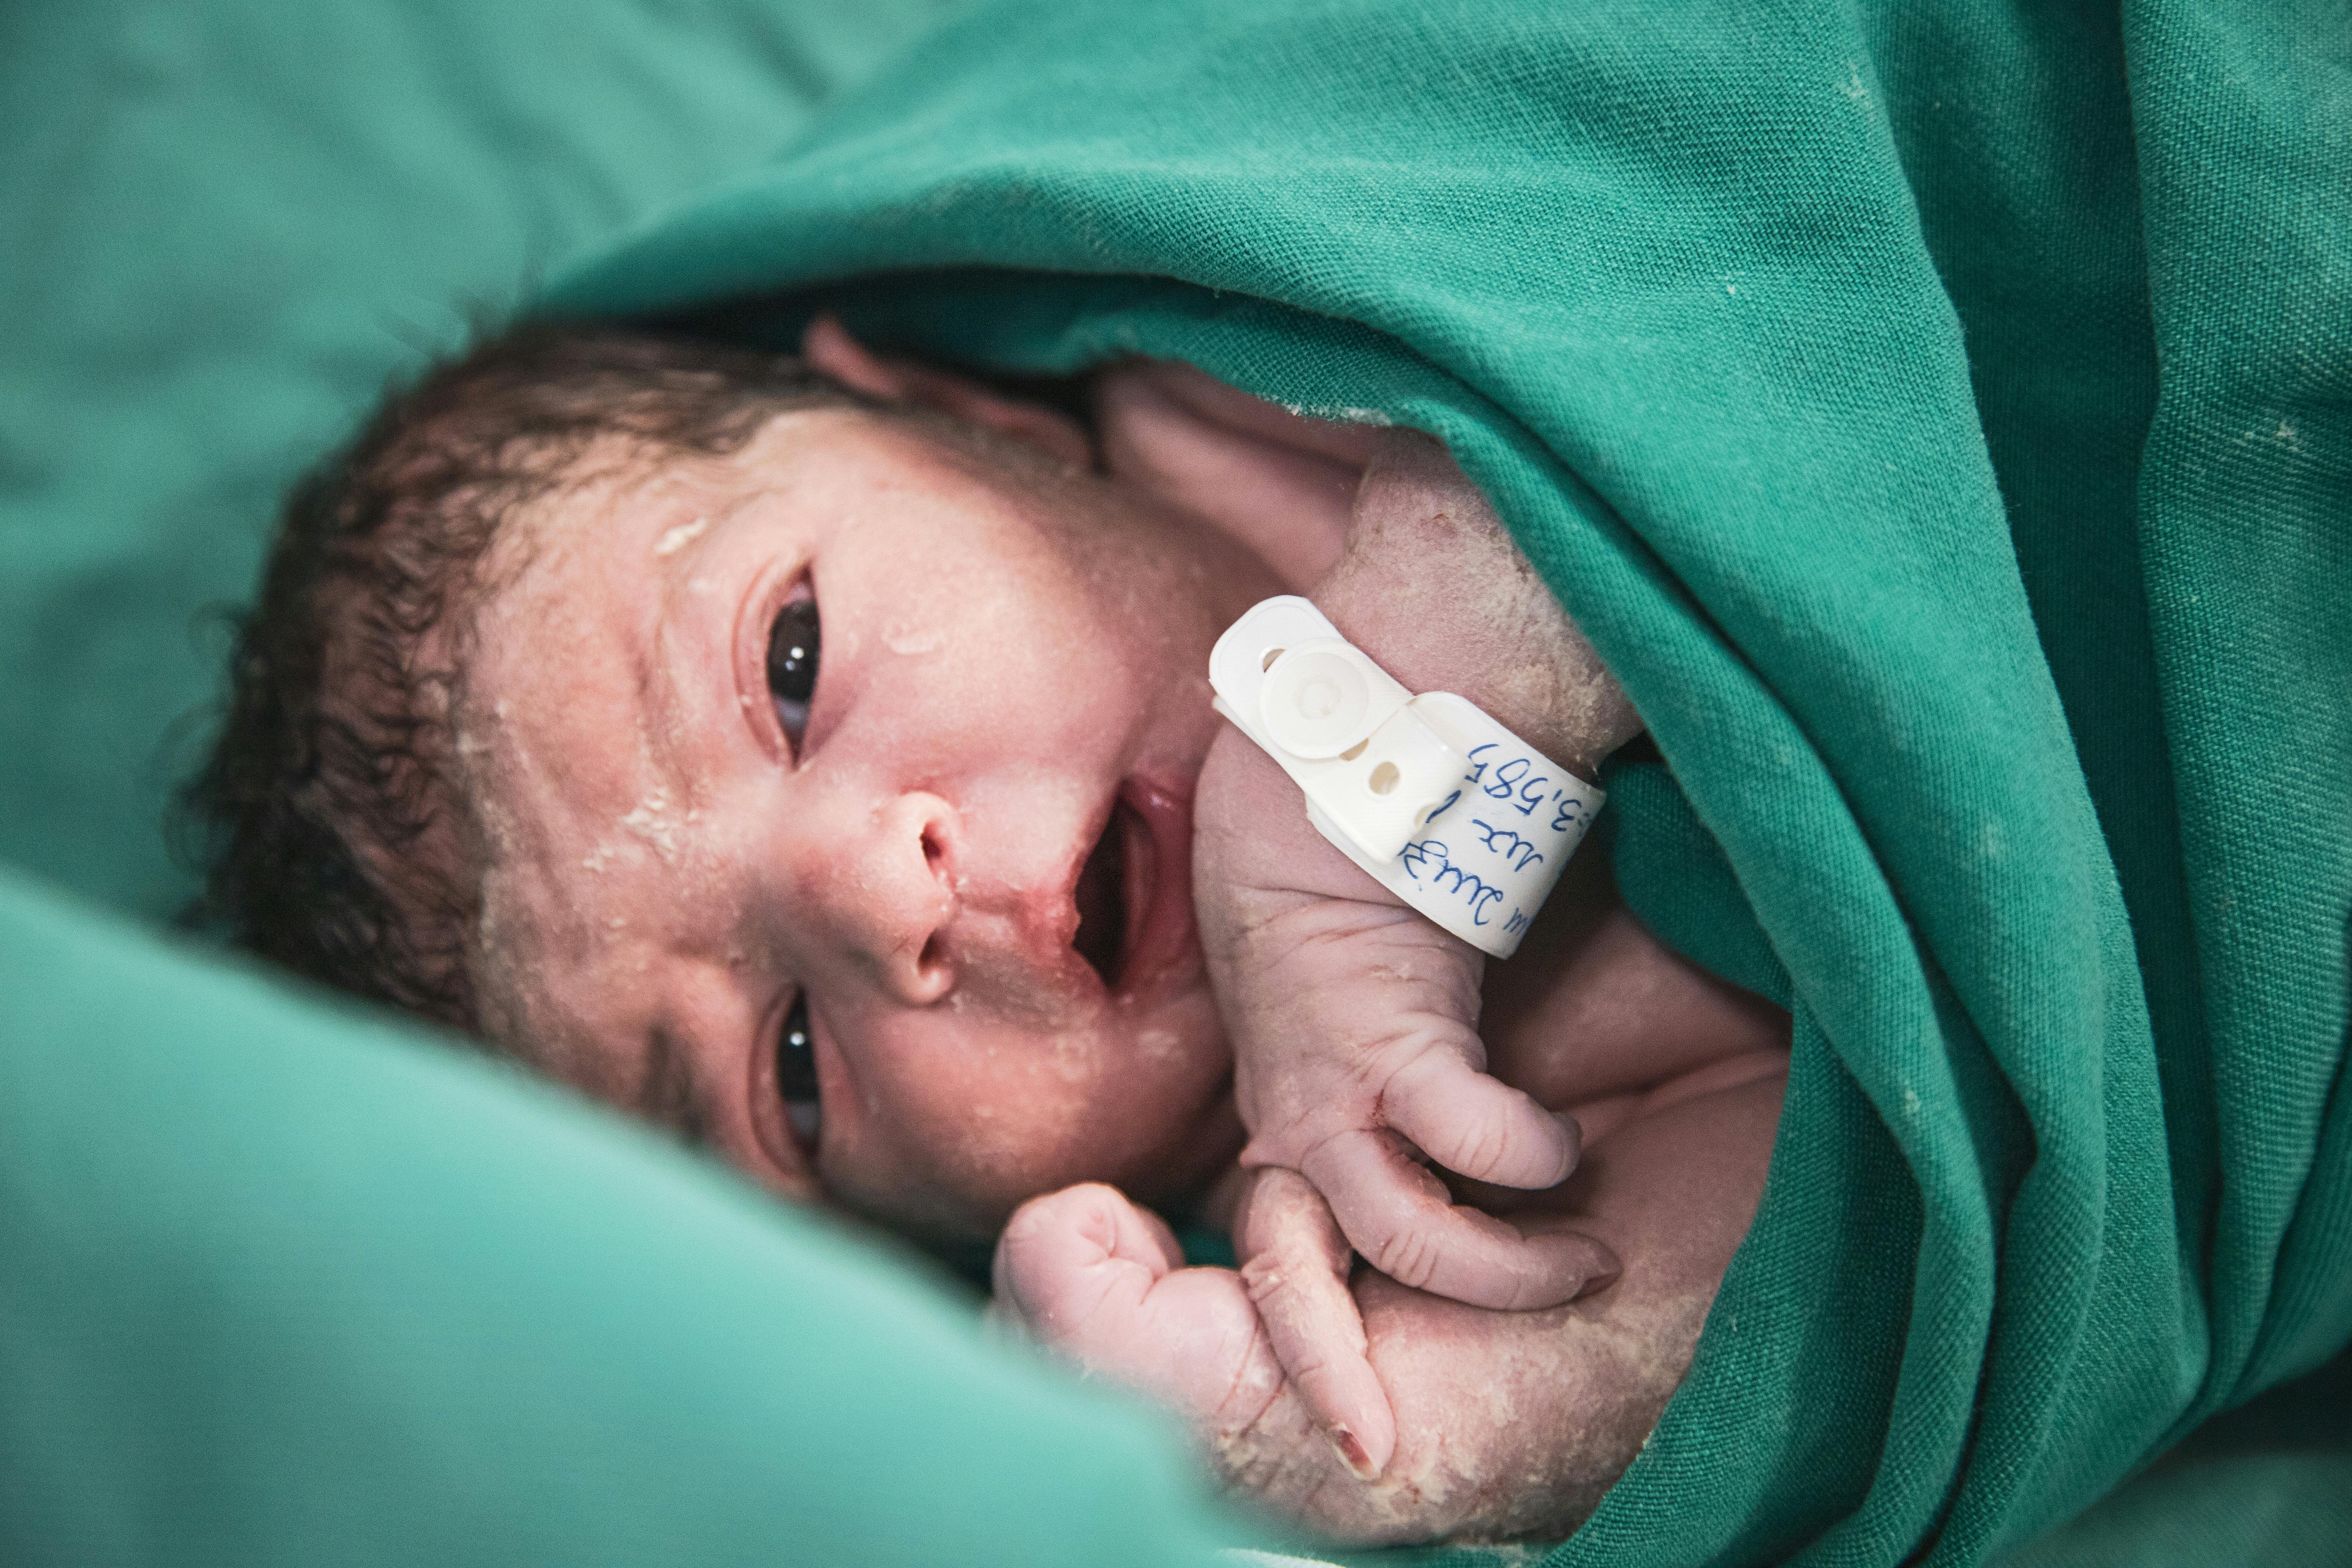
(1758,324)
(283,1289)
(1940,416)
(280,1284)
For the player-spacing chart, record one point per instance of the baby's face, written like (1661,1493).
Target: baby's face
(1008,711)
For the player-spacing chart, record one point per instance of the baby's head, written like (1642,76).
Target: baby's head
(806,768)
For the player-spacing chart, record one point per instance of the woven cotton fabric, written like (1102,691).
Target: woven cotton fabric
(1941,418)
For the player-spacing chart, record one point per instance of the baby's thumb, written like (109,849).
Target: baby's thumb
(1478,1126)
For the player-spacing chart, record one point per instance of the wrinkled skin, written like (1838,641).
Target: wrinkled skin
(1462,1385)
(1484,1424)
(1354,1020)
(1506,1424)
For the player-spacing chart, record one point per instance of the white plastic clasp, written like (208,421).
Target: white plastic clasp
(1387,773)
(1348,733)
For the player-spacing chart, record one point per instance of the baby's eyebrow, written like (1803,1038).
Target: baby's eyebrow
(670,1096)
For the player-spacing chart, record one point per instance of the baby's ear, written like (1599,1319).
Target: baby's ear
(827,346)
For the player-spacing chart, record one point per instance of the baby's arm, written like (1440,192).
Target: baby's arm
(1354,1019)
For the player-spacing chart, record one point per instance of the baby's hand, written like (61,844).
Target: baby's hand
(1354,1019)
(1354,1026)
(1496,1425)
(1256,1360)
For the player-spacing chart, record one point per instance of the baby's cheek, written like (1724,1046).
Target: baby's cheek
(956,1156)
(958,1134)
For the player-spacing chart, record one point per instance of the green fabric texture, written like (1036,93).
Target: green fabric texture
(279,1284)
(1938,412)
(2265,1483)
(222,225)
(1940,416)
(284,1288)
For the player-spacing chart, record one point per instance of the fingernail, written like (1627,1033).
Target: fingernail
(1351,1451)
(1575,1134)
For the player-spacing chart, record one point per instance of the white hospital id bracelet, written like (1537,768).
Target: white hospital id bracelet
(1443,805)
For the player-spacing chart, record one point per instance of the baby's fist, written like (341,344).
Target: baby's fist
(1259,1360)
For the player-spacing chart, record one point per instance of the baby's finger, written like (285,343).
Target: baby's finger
(1403,1222)
(1295,1264)
(1477,1125)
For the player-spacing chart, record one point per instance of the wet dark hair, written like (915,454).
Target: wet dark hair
(327,823)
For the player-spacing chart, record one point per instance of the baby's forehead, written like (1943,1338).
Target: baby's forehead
(572,805)
(611,500)
(559,700)
(617,477)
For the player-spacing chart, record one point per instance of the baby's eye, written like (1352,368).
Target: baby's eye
(796,1075)
(792,663)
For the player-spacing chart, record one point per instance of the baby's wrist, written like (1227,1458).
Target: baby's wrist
(1259,844)
(1383,770)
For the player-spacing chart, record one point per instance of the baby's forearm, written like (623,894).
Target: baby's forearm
(1431,586)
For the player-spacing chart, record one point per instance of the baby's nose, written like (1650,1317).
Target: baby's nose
(896,901)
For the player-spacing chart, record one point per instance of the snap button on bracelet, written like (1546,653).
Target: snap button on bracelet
(1437,801)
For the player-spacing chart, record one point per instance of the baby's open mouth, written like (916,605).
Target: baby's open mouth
(1134,892)
(1102,891)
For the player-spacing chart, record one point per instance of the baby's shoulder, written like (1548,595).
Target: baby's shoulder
(1280,482)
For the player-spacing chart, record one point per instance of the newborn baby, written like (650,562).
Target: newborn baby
(817,757)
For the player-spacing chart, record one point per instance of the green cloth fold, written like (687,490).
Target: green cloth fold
(285,1285)
(1941,418)
(1939,411)
(280,1282)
